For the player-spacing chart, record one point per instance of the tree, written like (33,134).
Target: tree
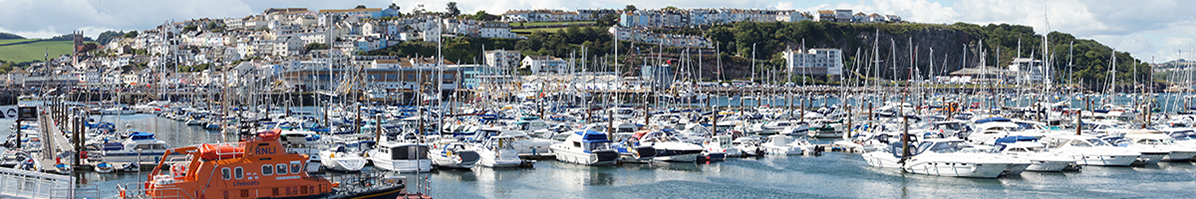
(419,9)
(452,9)
(606,20)
(481,15)
(133,34)
(108,36)
(630,8)
(190,28)
(316,46)
(393,6)
(670,8)
(360,7)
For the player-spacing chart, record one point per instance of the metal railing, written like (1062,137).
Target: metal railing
(29,184)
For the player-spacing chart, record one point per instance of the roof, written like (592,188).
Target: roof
(829,12)
(284,10)
(17,70)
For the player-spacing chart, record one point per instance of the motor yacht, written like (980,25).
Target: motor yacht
(449,153)
(1037,155)
(1089,150)
(586,147)
(497,152)
(401,156)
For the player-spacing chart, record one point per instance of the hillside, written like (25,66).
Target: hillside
(10,36)
(24,50)
(893,41)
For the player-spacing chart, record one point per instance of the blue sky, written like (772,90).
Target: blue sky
(1145,28)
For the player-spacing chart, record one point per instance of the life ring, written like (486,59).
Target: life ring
(178,170)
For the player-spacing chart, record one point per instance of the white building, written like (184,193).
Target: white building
(1028,70)
(496,30)
(544,64)
(288,46)
(504,59)
(816,61)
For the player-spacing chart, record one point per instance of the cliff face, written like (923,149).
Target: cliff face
(945,49)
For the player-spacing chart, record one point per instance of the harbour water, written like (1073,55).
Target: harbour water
(831,175)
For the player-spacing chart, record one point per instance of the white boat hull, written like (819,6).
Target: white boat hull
(582,158)
(421,165)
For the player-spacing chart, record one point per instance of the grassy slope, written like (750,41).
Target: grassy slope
(516,24)
(33,51)
(526,32)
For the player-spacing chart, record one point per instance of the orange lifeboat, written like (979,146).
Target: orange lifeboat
(221,151)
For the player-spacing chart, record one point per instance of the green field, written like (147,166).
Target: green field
(32,51)
(545,23)
(526,32)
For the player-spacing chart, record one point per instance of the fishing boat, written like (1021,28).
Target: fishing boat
(257,168)
(586,147)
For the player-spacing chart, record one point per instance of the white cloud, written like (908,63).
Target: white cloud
(47,18)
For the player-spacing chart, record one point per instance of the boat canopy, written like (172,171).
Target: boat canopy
(141,136)
(1015,138)
(592,136)
(993,119)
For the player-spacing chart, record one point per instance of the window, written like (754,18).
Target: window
(296,167)
(239,173)
(225,173)
(282,169)
(267,170)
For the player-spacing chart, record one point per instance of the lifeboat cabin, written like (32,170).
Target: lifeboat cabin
(257,168)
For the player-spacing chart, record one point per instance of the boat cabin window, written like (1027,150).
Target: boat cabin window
(267,170)
(1098,142)
(577,144)
(1018,150)
(225,173)
(597,146)
(1080,143)
(296,167)
(409,152)
(943,147)
(282,169)
(150,147)
(238,173)
(1149,141)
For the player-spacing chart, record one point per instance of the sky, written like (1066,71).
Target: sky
(1161,29)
